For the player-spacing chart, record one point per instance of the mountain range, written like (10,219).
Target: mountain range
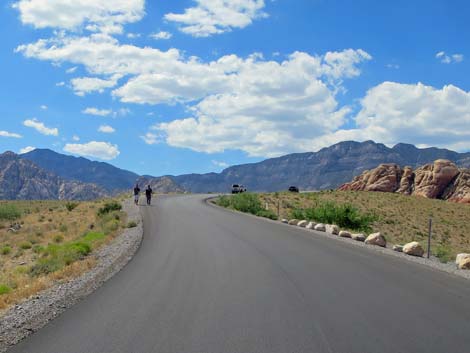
(326,169)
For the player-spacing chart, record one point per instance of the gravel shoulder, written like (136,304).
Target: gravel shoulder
(432,262)
(29,316)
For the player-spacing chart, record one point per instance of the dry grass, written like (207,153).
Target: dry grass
(401,218)
(45,223)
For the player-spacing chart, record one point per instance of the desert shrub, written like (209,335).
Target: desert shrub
(109,207)
(70,206)
(5,250)
(131,224)
(267,214)
(345,215)
(93,237)
(37,249)
(9,212)
(4,289)
(58,256)
(25,245)
(443,253)
(58,238)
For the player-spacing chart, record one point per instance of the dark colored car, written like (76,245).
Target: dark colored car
(238,189)
(293,189)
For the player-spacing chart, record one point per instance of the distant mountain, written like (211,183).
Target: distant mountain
(21,179)
(326,169)
(83,170)
(162,185)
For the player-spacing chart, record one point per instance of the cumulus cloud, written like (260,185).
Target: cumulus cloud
(220,164)
(161,35)
(151,138)
(96,111)
(106,129)
(449,59)
(4,133)
(94,15)
(209,17)
(75,138)
(27,149)
(100,150)
(44,107)
(86,85)
(41,127)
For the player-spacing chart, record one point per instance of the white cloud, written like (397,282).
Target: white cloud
(106,129)
(44,107)
(85,85)
(449,59)
(151,138)
(101,150)
(209,17)
(71,70)
(95,15)
(133,35)
(97,112)
(4,133)
(220,164)
(60,84)
(161,35)
(27,149)
(75,138)
(40,127)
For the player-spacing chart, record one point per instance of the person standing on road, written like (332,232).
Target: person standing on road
(148,193)
(136,194)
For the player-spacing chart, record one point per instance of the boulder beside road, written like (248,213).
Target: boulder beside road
(293,222)
(358,237)
(463,261)
(414,248)
(376,239)
(344,234)
(332,229)
(302,223)
(320,227)
(310,225)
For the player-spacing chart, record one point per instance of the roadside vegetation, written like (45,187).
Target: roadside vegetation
(42,242)
(400,218)
(246,202)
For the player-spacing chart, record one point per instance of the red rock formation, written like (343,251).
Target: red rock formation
(441,179)
(431,180)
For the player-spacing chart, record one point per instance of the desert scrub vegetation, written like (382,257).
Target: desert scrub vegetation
(246,202)
(401,218)
(53,243)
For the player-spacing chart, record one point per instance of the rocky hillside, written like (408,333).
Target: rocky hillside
(82,170)
(325,169)
(161,185)
(20,179)
(441,179)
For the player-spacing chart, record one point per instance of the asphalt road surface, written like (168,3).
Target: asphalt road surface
(210,281)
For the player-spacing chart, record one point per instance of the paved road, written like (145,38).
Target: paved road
(210,281)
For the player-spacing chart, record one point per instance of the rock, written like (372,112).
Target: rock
(414,248)
(431,180)
(320,227)
(461,257)
(406,181)
(285,221)
(459,190)
(344,234)
(464,264)
(358,237)
(385,178)
(302,223)
(310,225)
(293,222)
(376,239)
(332,229)
(398,248)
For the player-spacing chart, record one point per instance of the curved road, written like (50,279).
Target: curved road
(210,281)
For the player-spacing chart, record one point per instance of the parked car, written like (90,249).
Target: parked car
(238,189)
(293,189)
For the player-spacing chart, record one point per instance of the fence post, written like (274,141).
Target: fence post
(429,237)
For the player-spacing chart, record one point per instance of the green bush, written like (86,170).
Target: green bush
(109,207)
(4,289)
(443,253)
(246,202)
(267,214)
(345,216)
(25,245)
(71,206)
(6,250)
(93,237)
(131,224)
(9,212)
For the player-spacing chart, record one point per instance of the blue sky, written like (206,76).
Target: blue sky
(164,87)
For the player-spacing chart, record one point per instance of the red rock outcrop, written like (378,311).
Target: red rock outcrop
(439,180)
